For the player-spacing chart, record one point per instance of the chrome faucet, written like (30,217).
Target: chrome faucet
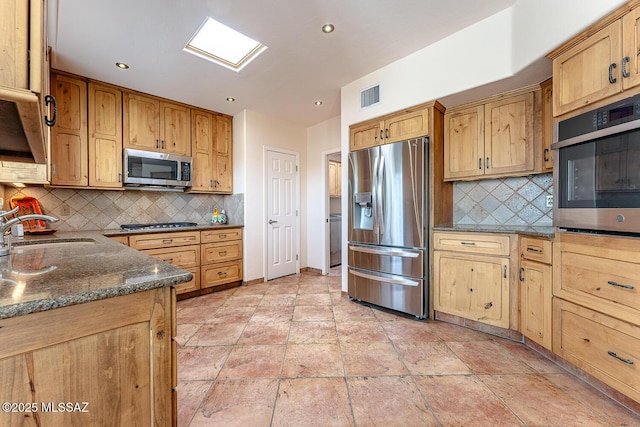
(5,225)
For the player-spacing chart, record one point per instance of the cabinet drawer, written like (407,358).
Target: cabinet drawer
(219,274)
(224,235)
(220,252)
(604,279)
(183,257)
(607,348)
(121,239)
(535,249)
(485,244)
(164,240)
(192,285)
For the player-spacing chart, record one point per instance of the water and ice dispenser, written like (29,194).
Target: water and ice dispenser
(363,211)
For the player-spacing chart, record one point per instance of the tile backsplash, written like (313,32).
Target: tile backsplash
(101,210)
(503,201)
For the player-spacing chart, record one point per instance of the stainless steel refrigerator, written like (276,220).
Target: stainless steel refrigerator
(388,226)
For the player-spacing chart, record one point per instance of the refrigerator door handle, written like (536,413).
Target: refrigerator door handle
(375,197)
(379,183)
(394,281)
(390,252)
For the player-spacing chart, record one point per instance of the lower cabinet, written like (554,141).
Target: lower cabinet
(535,293)
(214,256)
(103,360)
(221,261)
(472,276)
(596,307)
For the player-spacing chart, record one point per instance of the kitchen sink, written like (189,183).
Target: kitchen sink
(30,245)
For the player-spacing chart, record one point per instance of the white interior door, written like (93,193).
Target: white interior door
(282,221)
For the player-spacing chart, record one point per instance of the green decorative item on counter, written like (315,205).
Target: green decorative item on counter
(218,217)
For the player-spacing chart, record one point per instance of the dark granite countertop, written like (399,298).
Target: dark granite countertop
(526,230)
(199,227)
(75,268)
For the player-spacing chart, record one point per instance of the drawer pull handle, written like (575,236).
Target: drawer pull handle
(222,273)
(534,250)
(167,240)
(622,359)
(620,285)
(468,243)
(169,260)
(222,253)
(222,236)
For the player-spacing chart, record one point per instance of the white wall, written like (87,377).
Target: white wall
(257,131)
(321,139)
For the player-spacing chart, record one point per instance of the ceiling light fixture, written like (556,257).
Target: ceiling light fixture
(328,28)
(231,99)
(225,46)
(318,103)
(122,65)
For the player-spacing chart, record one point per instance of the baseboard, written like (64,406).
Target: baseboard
(253,282)
(479,326)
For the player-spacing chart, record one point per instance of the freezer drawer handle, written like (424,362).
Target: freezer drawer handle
(620,285)
(613,354)
(385,252)
(403,282)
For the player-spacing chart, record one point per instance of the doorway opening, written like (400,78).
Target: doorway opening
(333,212)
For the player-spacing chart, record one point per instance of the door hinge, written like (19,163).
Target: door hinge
(296,168)
(296,257)
(296,212)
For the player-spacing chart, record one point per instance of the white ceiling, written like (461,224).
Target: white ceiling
(300,66)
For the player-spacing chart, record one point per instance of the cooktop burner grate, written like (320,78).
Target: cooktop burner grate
(157,225)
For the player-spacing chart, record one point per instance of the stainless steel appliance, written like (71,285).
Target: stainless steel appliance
(597,164)
(388,226)
(149,168)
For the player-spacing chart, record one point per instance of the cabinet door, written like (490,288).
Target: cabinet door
(509,136)
(365,135)
(535,302)
(464,143)
(581,74)
(105,136)
(472,286)
(630,48)
(333,179)
(202,146)
(69,156)
(141,120)
(14,33)
(175,128)
(223,168)
(406,126)
(547,125)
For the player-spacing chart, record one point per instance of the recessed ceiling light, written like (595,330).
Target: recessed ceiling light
(231,99)
(225,46)
(328,28)
(318,102)
(122,65)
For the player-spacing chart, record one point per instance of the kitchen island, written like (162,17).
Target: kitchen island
(86,330)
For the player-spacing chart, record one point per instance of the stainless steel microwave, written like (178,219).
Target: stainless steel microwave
(148,168)
(597,169)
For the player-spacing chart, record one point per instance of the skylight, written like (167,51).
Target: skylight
(225,46)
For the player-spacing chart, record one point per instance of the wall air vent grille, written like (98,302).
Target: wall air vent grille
(370,96)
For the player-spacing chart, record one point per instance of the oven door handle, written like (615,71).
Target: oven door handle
(393,281)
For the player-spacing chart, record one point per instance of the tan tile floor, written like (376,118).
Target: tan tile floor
(293,352)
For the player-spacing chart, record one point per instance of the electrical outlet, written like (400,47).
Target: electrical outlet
(549,201)
(64,210)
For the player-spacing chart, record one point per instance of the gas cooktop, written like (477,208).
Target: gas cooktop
(157,225)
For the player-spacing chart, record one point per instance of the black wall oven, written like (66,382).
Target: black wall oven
(597,170)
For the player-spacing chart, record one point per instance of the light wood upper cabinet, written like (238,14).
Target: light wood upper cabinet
(547,125)
(412,123)
(494,137)
(508,135)
(24,69)
(212,148)
(69,149)
(464,143)
(105,136)
(154,125)
(601,62)
(335,176)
